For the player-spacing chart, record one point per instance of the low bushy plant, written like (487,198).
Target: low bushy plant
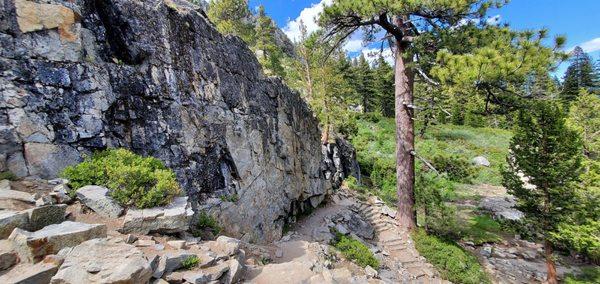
(355,251)
(7,175)
(587,275)
(207,222)
(230,198)
(190,262)
(383,176)
(457,168)
(483,229)
(582,238)
(133,180)
(454,263)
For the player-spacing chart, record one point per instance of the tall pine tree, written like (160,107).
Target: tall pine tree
(383,76)
(268,52)
(499,59)
(548,153)
(581,74)
(232,17)
(363,83)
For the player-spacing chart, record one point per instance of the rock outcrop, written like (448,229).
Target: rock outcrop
(103,261)
(34,246)
(97,199)
(157,78)
(173,218)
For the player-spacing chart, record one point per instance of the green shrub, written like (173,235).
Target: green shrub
(352,183)
(373,117)
(588,275)
(355,250)
(207,222)
(584,238)
(430,193)
(483,229)
(190,262)
(458,168)
(132,179)
(7,175)
(383,176)
(229,198)
(453,263)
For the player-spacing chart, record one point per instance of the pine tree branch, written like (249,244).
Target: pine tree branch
(428,164)
(427,78)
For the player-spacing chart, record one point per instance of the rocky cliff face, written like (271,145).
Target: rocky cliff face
(156,77)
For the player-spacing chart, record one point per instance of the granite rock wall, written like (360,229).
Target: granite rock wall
(155,77)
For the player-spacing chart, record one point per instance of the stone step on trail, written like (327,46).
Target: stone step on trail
(393,241)
(416,272)
(396,248)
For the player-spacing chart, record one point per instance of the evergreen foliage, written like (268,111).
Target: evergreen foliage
(363,83)
(230,17)
(456,167)
(548,153)
(584,116)
(270,55)
(322,80)
(581,74)
(383,77)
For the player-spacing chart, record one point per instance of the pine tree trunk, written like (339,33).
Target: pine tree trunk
(405,140)
(550,263)
(325,134)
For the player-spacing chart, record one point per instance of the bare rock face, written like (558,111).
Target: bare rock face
(157,78)
(103,261)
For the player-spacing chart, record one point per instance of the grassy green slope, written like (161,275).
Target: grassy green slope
(376,140)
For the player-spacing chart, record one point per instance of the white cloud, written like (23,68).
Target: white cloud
(309,17)
(372,54)
(495,20)
(492,21)
(591,46)
(353,45)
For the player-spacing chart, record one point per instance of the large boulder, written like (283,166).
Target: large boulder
(8,257)
(172,218)
(14,199)
(41,217)
(97,199)
(481,161)
(27,273)
(34,246)
(79,76)
(31,219)
(206,275)
(171,262)
(103,261)
(9,220)
(501,207)
(224,246)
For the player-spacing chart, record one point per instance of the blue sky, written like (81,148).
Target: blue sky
(579,20)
